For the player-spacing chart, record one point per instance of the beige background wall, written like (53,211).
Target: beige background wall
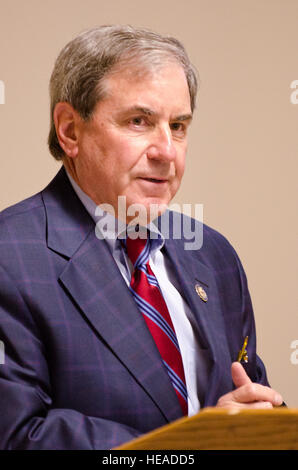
(242,160)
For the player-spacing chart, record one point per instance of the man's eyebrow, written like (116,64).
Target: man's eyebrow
(150,112)
(183,117)
(140,109)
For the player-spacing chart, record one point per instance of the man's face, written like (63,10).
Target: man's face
(135,144)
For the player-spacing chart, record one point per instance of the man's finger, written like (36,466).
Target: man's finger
(256,405)
(239,375)
(251,392)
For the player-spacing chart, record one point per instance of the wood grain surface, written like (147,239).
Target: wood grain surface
(214,429)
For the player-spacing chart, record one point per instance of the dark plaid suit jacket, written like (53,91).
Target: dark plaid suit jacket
(81,370)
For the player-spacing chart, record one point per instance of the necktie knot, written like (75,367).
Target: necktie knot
(138,250)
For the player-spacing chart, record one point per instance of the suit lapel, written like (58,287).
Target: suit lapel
(211,327)
(93,280)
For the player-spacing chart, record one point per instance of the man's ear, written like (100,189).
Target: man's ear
(66,119)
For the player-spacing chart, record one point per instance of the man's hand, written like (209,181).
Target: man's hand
(248,394)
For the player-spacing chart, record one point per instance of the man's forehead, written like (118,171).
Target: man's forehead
(133,78)
(147,91)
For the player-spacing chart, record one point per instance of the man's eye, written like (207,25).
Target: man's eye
(178,127)
(138,121)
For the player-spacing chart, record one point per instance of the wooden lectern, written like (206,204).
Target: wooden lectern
(219,429)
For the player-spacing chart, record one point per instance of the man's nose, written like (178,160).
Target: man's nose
(162,146)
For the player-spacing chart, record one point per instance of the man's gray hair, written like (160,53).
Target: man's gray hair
(84,64)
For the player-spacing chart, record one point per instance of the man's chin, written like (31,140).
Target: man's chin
(145,213)
(141,212)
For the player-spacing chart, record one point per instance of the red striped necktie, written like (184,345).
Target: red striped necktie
(147,294)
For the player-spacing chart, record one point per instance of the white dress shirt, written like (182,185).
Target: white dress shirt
(180,313)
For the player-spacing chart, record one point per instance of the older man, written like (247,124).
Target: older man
(111,333)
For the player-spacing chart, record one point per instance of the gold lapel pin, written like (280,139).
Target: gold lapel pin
(201,292)
(242,356)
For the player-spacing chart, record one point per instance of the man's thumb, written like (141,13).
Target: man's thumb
(239,375)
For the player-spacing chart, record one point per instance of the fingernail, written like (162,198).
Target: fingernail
(278,399)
